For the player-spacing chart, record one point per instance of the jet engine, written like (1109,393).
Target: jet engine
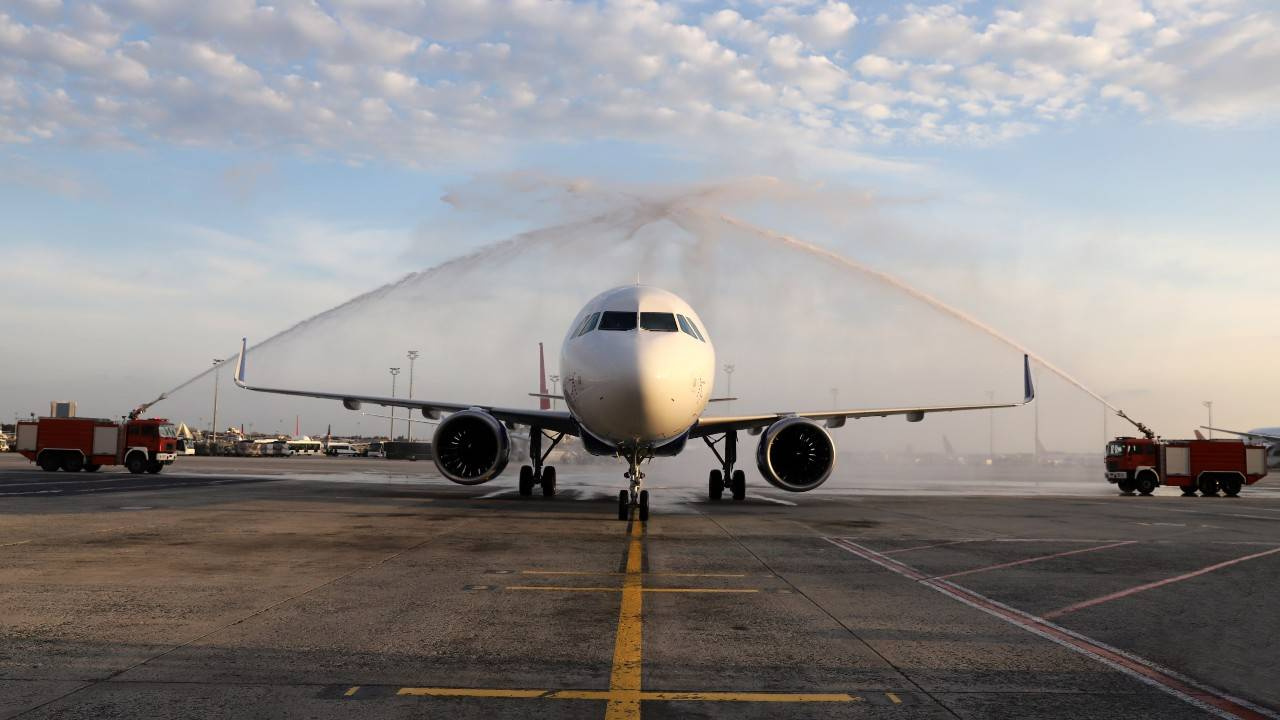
(795,454)
(471,447)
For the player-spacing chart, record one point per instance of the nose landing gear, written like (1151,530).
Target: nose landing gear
(635,497)
(726,477)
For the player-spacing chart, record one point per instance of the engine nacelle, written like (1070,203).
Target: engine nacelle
(796,455)
(471,447)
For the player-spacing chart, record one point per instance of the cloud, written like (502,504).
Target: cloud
(460,83)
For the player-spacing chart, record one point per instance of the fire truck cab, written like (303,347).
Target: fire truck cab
(1207,466)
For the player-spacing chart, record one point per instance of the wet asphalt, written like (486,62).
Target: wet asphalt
(334,588)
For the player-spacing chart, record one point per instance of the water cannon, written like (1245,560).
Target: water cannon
(137,412)
(1150,435)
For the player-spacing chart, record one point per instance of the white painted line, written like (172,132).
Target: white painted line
(766,498)
(493,494)
(1038,558)
(1192,692)
(1158,583)
(1224,515)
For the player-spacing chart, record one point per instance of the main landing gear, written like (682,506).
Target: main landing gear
(538,474)
(726,477)
(635,497)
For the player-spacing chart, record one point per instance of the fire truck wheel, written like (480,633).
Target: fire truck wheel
(1208,486)
(72,462)
(1231,487)
(154,467)
(92,467)
(1126,486)
(50,462)
(1146,483)
(136,463)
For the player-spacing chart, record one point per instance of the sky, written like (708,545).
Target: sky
(1094,179)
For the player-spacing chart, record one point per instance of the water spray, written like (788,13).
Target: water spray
(920,295)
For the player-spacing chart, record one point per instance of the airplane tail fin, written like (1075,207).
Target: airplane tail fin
(1199,435)
(544,402)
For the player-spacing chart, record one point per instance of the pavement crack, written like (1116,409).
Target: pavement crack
(798,591)
(260,611)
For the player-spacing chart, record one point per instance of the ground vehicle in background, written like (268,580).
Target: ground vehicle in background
(374,450)
(343,449)
(305,446)
(1143,464)
(74,444)
(4,443)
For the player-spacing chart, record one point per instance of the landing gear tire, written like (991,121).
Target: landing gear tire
(50,463)
(91,467)
(624,505)
(1231,487)
(526,481)
(136,464)
(548,481)
(644,506)
(739,485)
(72,463)
(1126,486)
(1146,483)
(715,485)
(154,467)
(1189,490)
(1209,486)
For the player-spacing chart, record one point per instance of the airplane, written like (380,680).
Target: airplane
(1270,436)
(637,368)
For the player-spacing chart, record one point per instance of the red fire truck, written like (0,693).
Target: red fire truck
(1144,463)
(75,444)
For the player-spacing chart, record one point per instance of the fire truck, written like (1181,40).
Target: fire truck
(1145,463)
(74,444)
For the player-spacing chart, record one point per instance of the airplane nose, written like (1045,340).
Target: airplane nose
(644,400)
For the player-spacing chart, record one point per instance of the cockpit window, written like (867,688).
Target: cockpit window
(658,321)
(588,324)
(687,326)
(614,320)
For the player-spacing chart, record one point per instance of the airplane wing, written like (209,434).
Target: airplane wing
(836,418)
(554,421)
(1251,435)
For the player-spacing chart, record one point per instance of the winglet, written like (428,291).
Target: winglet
(238,376)
(1029,388)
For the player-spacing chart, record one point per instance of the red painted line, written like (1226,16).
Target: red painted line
(1159,583)
(1194,693)
(1033,559)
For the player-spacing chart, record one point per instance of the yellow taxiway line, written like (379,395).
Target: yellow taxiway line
(624,696)
(571,588)
(624,680)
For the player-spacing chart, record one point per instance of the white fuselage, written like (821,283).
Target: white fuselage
(640,384)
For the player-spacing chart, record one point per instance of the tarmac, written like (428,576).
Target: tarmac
(326,588)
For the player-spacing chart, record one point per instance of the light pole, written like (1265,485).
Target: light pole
(1209,404)
(555,382)
(413,355)
(728,386)
(392,434)
(217,372)
(1036,453)
(991,429)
